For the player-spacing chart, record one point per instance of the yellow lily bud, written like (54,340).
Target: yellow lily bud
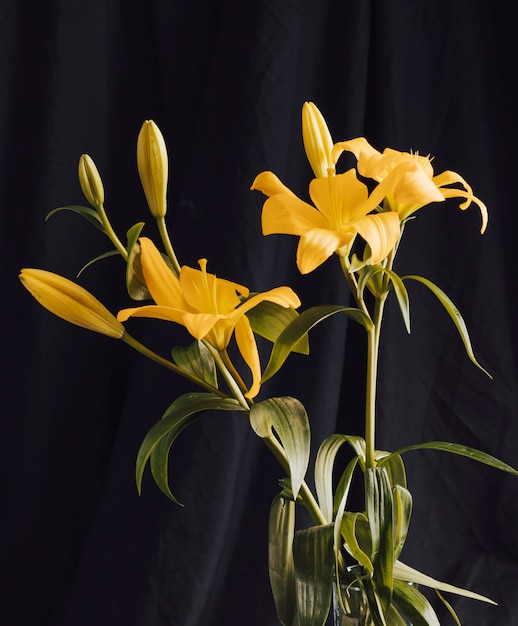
(71,302)
(153,167)
(90,181)
(317,140)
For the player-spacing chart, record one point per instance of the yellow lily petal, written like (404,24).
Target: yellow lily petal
(152,164)
(70,302)
(268,184)
(317,245)
(450,178)
(339,198)
(205,292)
(247,345)
(162,283)
(289,215)
(381,231)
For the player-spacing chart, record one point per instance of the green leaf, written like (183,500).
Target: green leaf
(367,277)
(379,511)
(394,466)
(135,283)
(350,529)
(197,360)
(269,319)
(455,448)
(182,412)
(414,605)
(402,503)
(88,213)
(404,572)
(313,560)
(455,315)
(324,466)
(300,326)
(106,255)
(288,418)
(281,530)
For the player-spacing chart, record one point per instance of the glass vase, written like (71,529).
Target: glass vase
(353,610)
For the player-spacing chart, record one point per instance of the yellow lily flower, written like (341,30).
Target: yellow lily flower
(407,180)
(343,210)
(71,302)
(210,308)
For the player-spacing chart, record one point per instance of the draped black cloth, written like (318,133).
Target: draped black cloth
(225,81)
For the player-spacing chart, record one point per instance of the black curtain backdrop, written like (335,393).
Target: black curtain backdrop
(225,81)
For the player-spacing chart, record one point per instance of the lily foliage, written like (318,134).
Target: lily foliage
(362,225)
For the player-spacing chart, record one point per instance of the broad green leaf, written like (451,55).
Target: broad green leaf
(379,511)
(455,448)
(455,315)
(281,530)
(324,466)
(269,319)
(106,255)
(88,213)
(197,359)
(313,560)
(394,467)
(183,411)
(349,531)
(135,283)
(402,503)
(414,605)
(404,572)
(288,418)
(300,326)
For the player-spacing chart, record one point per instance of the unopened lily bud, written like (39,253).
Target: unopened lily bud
(317,140)
(153,167)
(71,302)
(90,181)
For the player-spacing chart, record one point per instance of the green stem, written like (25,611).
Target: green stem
(162,229)
(112,236)
(131,341)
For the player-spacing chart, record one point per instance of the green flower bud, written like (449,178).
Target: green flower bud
(90,181)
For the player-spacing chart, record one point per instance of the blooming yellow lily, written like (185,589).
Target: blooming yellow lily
(407,180)
(210,308)
(71,302)
(343,210)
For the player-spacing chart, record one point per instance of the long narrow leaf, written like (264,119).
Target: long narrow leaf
(281,530)
(414,605)
(174,420)
(84,211)
(455,448)
(397,283)
(404,572)
(288,418)
(197,360)
(455,315)
(313,560)
(402,503)
(300,326)
(269,319)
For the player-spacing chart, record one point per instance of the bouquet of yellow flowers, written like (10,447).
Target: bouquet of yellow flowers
(347,559)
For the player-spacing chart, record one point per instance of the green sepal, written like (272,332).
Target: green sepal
(300,326)
(135,283)
(281,530)
(455,315)
(197,360)
(87,212)
(414,605)
(288,418)
(455,448)
(269,319)
(182,412)
(314,564)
